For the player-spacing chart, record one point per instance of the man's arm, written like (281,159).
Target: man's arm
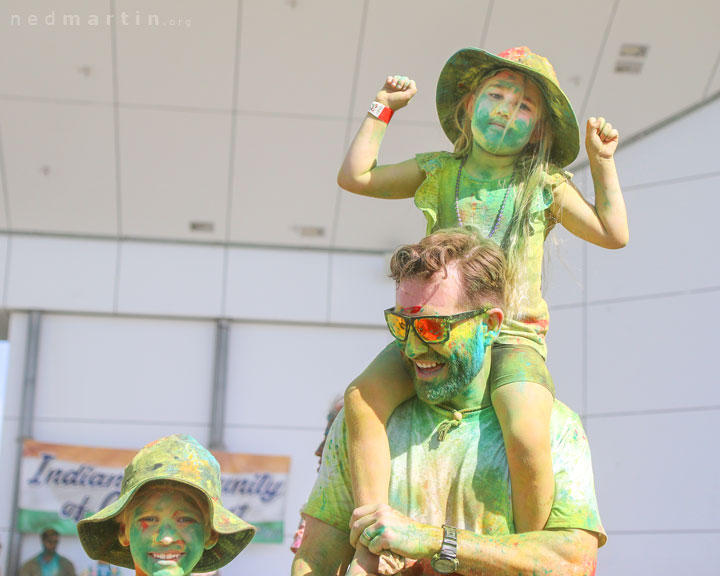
(559,552)
(569,552)
(325,550)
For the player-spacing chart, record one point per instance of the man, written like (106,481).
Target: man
(48,562)
(450,505)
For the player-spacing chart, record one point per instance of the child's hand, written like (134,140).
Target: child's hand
(397,92)
(601,139)
(364,563)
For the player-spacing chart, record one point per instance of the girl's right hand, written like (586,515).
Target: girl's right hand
(396,92)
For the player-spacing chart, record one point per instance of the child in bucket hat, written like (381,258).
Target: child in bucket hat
(168,520)
(513,131)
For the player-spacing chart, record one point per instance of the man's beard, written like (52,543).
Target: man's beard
(461,367)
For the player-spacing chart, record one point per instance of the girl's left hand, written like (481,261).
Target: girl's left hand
(601,139)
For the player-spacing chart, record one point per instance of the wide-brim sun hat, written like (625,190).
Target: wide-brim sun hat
(463,71)
(178,458)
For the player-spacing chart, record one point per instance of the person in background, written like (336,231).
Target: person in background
(48,562)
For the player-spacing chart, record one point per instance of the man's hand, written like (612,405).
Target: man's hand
(380,527)
(396,92)
(601,139)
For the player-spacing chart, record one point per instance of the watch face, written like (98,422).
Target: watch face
(445,565)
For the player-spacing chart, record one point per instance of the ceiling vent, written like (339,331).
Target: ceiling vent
(310,231)
(202,226)
(632,57)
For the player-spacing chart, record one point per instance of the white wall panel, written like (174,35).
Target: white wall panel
(62,55)
(296,57)
(403,37)
(61,274)
(630,104)
(360,288)
(655,472)
(179,280)
(565,356)
(667,251)
(277,284)
(4,248)
(8,458)
(185,59)
(653,354)
(563,269)
(120,435)
(300,445)
(125,370)
(684,148)
(659,554)
(174,172)
(373,223)
(60,167)
(285,176)
(287,375)
(17,336)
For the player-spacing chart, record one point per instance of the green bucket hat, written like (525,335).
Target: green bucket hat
(466,67)
(178,458)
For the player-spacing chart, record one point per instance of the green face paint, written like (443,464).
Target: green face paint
(457,363)
(505,112)
(167,534)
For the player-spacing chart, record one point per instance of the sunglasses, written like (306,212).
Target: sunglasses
(430,329)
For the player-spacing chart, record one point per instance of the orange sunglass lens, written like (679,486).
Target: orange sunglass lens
(430,329)
(397,325)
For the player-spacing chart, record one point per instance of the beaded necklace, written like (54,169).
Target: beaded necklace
(457,202)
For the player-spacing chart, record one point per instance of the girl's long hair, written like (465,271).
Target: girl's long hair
(529,175)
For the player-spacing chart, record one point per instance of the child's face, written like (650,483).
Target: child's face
(166,531)
(505,111)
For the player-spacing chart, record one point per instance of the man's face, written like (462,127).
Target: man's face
(50,543)
(167,533)
(442,372)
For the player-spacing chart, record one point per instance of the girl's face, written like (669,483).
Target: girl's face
(505,111)
(166,532)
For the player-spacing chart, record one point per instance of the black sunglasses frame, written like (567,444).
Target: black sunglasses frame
(445,321)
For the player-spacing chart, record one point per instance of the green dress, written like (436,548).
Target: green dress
(479,204)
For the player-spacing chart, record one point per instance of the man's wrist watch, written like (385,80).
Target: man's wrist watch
(445,561)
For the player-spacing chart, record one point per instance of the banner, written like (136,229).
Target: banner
(60,485)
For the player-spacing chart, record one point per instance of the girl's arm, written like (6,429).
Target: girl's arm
(359,172)
(605,223)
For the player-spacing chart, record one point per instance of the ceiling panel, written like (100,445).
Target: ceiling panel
(177,52)
(683,47)
(285,179)
(56,49)
(415,39)
(372,223)
(174,172)
(60,163)
(571,48)
(298,56)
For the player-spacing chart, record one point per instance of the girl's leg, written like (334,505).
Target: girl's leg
(369,402)
(523,409)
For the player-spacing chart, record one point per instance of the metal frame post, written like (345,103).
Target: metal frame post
(219,388)
(25,431)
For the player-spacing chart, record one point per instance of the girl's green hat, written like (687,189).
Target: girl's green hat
(463,71)
(178,458)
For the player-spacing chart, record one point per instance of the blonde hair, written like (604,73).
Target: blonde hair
(529,175)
